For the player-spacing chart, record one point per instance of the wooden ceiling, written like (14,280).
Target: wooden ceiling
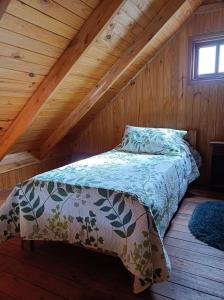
(59,58)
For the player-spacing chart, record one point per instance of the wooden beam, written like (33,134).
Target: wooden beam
(87,34)
(115,72)
(3,6)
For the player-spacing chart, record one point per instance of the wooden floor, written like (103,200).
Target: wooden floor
(58,271)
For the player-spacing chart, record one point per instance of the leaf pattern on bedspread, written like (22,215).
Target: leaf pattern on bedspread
(115,202)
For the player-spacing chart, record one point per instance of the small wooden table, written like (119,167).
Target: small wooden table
(217,165)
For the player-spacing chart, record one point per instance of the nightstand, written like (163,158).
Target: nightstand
(217,165)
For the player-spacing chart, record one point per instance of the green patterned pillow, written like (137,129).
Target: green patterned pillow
(152,140)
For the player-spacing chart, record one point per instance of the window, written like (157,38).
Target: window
(207,58)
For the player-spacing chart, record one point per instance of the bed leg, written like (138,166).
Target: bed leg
(189,194)
(31,245)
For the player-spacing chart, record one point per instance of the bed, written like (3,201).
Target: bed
(117,202)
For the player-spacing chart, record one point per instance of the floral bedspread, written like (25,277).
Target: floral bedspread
(117,202)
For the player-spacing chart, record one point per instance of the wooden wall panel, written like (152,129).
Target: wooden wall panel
(160,96)
(9,179)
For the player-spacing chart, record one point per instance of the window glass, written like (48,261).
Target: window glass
(206,60)
(221,59)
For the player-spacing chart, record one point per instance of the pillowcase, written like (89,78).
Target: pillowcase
(152,140)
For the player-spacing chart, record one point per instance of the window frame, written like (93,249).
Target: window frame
(195,44)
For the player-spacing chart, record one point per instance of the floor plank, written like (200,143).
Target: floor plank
(197,269)
(16,287)
(197,283)
(176,291)
(194,256)
(185,236)
(195,247)
(60,271)
(4,296)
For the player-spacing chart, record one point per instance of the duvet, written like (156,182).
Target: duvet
(116,202)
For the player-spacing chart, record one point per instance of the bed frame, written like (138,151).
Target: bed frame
(192,137)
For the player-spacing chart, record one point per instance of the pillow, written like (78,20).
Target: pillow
(152,140)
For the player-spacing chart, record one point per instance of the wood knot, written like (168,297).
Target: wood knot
(16,56)
(31,74)
(108,36)
(195,94)
(45,1)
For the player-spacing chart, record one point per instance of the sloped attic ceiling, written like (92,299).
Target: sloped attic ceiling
(35,33)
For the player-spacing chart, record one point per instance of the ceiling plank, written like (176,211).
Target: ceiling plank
(120,66)
(87,34)
(3,6)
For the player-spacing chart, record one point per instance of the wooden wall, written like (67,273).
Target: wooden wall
(160,96)
(8,179)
